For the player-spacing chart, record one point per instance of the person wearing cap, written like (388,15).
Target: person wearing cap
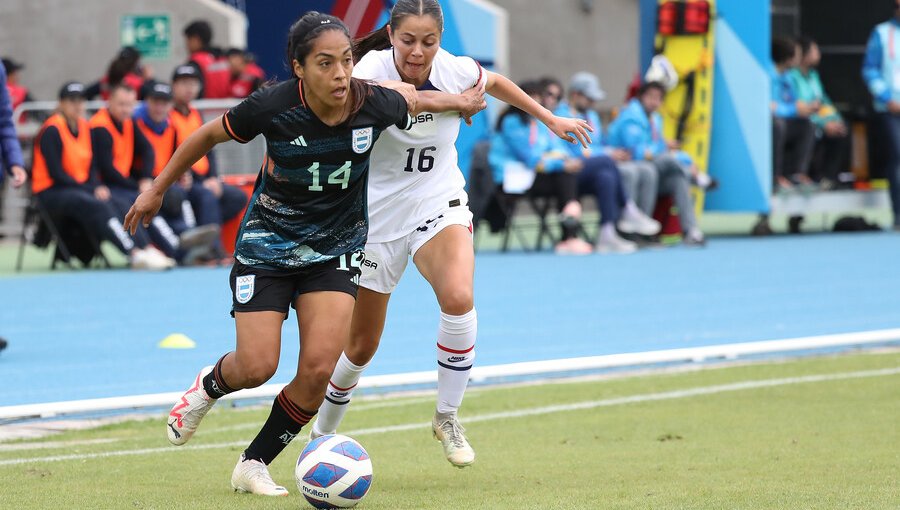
(18,93)
(639,130)
(64,181)
(213,68)
(607,172)
(186,119)
(246,76)
(125,160)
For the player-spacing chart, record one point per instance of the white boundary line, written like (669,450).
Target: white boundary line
(576,406)
(480,374)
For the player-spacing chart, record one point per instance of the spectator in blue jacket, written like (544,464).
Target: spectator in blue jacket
(520,145)
(793,134)
(599,175)
(10,150)
(881,71)
(639,130)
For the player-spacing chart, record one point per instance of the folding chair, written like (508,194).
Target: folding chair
(40,228)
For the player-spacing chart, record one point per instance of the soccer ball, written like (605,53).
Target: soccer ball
(333,471)
(662,71)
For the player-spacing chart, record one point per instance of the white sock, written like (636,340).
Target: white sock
(337,396)
(455,356)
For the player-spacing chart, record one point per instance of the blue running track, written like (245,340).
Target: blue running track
(95,333)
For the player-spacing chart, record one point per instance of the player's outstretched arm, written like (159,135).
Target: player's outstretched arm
(199,143)
(505,90)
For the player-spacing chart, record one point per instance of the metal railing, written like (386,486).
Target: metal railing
(231,158)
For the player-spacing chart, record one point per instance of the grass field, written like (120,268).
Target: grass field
(811,433)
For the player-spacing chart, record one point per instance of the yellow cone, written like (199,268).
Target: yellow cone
(177,341)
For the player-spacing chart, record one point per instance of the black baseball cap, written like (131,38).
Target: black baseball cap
(72,90)
(186,71)
(11,65)
(159,90)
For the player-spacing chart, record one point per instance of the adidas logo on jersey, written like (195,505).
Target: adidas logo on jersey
(299,141)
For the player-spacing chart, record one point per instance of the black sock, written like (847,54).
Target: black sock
(284,422)
(214,384)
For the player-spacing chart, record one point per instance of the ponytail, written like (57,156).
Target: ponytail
(373,41)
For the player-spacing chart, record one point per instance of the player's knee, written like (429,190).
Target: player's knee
(457,301)
(361,348)
(258,372)
(318,374)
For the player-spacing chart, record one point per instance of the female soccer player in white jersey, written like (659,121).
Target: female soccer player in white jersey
(417,207)
(301,239)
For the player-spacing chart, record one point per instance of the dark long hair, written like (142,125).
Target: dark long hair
(530,87)
(301,39)
(126,61)
(379,39)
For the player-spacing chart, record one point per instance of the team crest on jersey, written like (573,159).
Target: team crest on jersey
(362,140)
(243,288)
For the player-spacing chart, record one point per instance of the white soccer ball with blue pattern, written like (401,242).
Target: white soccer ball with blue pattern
(333,471)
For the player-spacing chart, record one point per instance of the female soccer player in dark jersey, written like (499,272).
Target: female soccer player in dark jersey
(301,239)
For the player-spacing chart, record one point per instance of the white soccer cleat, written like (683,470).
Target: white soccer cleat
(447,430)
(252,476)
(185,416)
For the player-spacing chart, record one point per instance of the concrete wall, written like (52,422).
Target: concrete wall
(60,40)
(560,38)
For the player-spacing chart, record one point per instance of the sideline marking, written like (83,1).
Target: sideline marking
(577,406)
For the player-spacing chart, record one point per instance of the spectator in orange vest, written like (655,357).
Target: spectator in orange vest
(64,180)
(126,69)
(186,119)
(246,76)
(125,161)
(18,93)
(212,66)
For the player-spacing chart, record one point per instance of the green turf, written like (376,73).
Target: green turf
(826,444)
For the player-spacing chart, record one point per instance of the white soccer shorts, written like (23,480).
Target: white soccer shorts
(385,262)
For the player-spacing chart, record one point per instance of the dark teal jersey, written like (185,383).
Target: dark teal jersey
(309,205)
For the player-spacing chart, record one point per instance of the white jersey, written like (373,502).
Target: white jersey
(415,173)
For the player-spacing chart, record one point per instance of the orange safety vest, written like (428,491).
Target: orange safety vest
(163,145)
(76,154)
(184,126)
(122,143)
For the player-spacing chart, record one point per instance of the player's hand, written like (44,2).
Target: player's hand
(144,209)
(562,126)
(144,185)
(213,185)
(407,90)
(101,193)
(473,102)
(19,176)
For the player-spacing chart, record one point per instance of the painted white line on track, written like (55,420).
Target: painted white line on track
(576,406)
(55,444)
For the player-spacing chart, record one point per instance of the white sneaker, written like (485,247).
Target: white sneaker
(252,476)
(638,224)
(615,244)
(185,416)
(161,258)
(447,430)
